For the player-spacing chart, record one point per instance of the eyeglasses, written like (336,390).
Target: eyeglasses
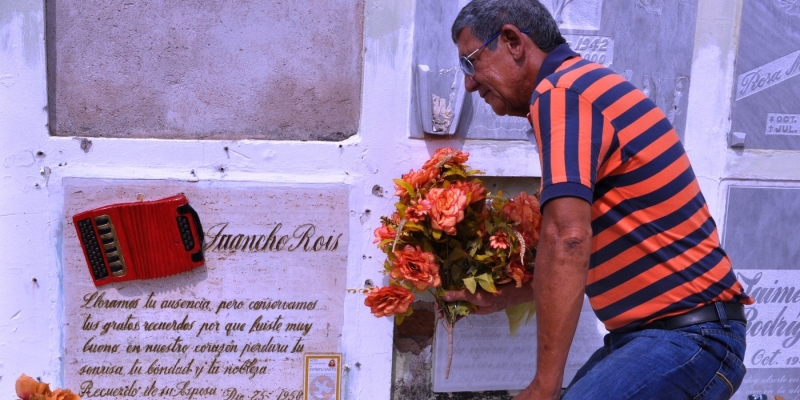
(466,64)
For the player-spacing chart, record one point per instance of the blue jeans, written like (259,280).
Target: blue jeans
(702,361)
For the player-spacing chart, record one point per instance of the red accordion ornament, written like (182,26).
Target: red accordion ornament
(143,240)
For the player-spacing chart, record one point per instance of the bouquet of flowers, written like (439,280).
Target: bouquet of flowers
(449,233)
(28,388)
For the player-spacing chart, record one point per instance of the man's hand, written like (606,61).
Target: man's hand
(508,295)
(535,392)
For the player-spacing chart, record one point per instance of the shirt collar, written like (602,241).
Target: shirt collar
(553,60)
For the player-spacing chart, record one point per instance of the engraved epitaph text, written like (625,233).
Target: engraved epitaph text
(272,289)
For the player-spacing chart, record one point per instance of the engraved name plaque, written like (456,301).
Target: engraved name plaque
(767,76)
(272,289)
(761,237)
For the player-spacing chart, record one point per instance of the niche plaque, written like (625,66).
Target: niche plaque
(649,42)
(766,100)
(487,357)
(761,238)
(271,291)
(205,69)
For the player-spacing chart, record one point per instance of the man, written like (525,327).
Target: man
(623,221)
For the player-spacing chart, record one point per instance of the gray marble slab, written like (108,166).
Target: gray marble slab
(766,99)
(761,237)
(487,357)
(649,42)
(205,70)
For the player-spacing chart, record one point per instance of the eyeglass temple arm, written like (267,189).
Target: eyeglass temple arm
(525,31)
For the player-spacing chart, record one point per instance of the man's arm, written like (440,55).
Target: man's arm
(562,261)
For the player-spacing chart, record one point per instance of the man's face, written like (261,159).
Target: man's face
(494,78)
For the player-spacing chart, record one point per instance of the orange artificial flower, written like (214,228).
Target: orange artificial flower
(27,387)
(416,179)
(396,218)
(417,210)
(416,266)
(63,394)
(447,208)
(499,241)
(384,232)
(474,190)
(443,156)
(517,272)
(389,300)
(523,209)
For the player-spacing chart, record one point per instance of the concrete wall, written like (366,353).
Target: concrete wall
(205,70)
(35,163)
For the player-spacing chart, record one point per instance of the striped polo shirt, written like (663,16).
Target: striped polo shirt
(655,247)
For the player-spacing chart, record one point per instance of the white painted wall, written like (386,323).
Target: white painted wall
(31,198)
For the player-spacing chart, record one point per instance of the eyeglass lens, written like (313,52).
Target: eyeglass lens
(466,65)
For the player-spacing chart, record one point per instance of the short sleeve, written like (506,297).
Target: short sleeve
(568,131)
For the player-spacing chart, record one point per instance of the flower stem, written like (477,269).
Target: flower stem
(449,327)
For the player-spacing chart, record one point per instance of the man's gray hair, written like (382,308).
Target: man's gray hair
(484,18)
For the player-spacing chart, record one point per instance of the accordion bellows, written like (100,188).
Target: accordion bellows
(143,240)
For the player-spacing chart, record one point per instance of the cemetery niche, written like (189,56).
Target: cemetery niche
(766,101)
(271,292)
(649,42)
(761,236)
(205,70)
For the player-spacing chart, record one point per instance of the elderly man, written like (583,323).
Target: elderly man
(623,221)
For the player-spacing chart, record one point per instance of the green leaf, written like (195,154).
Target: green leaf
(454,171)
(471,285)
(405,185)
(486,282)
(398,319)
(385,242)
(413,226)
(489,226)
(455,271)
(437,234)
(456,254)
(474,246)
(532,310)
(516,314)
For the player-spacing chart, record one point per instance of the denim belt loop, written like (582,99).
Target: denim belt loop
(723,319)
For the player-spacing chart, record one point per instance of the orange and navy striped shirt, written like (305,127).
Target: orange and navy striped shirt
(655,247)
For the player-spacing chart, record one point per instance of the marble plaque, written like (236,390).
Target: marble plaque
(272,289)
(649,42)
(766,99)
(487,357)
(211,69)
(761,237)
